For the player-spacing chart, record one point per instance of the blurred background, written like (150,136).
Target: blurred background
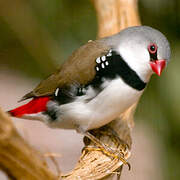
(36,36)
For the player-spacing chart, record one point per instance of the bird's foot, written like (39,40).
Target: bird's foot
(105,149)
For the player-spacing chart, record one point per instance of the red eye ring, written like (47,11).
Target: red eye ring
(152,48)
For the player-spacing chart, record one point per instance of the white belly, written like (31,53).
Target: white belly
(111,102)
(105,107)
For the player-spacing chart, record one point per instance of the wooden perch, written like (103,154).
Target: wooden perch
(113,16)
(20,161)
(93,164)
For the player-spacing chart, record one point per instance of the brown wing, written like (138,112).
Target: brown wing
(79,68)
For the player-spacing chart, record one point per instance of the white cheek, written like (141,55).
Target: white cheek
(138,59)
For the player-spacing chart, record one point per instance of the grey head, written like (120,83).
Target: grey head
(142,48)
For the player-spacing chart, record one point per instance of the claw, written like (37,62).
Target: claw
(125,162)
(105,149)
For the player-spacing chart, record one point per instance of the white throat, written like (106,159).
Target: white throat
(138,61)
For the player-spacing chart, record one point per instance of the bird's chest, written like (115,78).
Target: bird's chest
(108,104)
(115,98)
(97,108)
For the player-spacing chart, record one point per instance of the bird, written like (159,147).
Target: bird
(99,81)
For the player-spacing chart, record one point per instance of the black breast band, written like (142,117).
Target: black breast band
(114,65)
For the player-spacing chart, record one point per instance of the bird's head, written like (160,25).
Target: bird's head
(146,50)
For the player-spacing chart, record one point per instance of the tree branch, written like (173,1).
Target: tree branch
(20,161)
(113,16)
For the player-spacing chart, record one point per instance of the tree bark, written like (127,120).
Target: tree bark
(113,16)
(20,161)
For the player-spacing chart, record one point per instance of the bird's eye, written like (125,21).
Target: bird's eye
(152,48)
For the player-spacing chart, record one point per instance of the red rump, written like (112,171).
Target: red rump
(34,106)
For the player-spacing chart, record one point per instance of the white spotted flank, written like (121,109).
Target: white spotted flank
(102,65)
(106,63)
(56,92)
(98,60)
(97,69)
(103,58)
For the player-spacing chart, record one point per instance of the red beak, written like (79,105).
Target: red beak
(158,65)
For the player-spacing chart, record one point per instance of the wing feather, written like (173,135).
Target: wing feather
(79,68)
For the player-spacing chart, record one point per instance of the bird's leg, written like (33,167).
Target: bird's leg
(100,146)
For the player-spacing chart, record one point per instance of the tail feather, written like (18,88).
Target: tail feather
(36,105)
(27,96)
